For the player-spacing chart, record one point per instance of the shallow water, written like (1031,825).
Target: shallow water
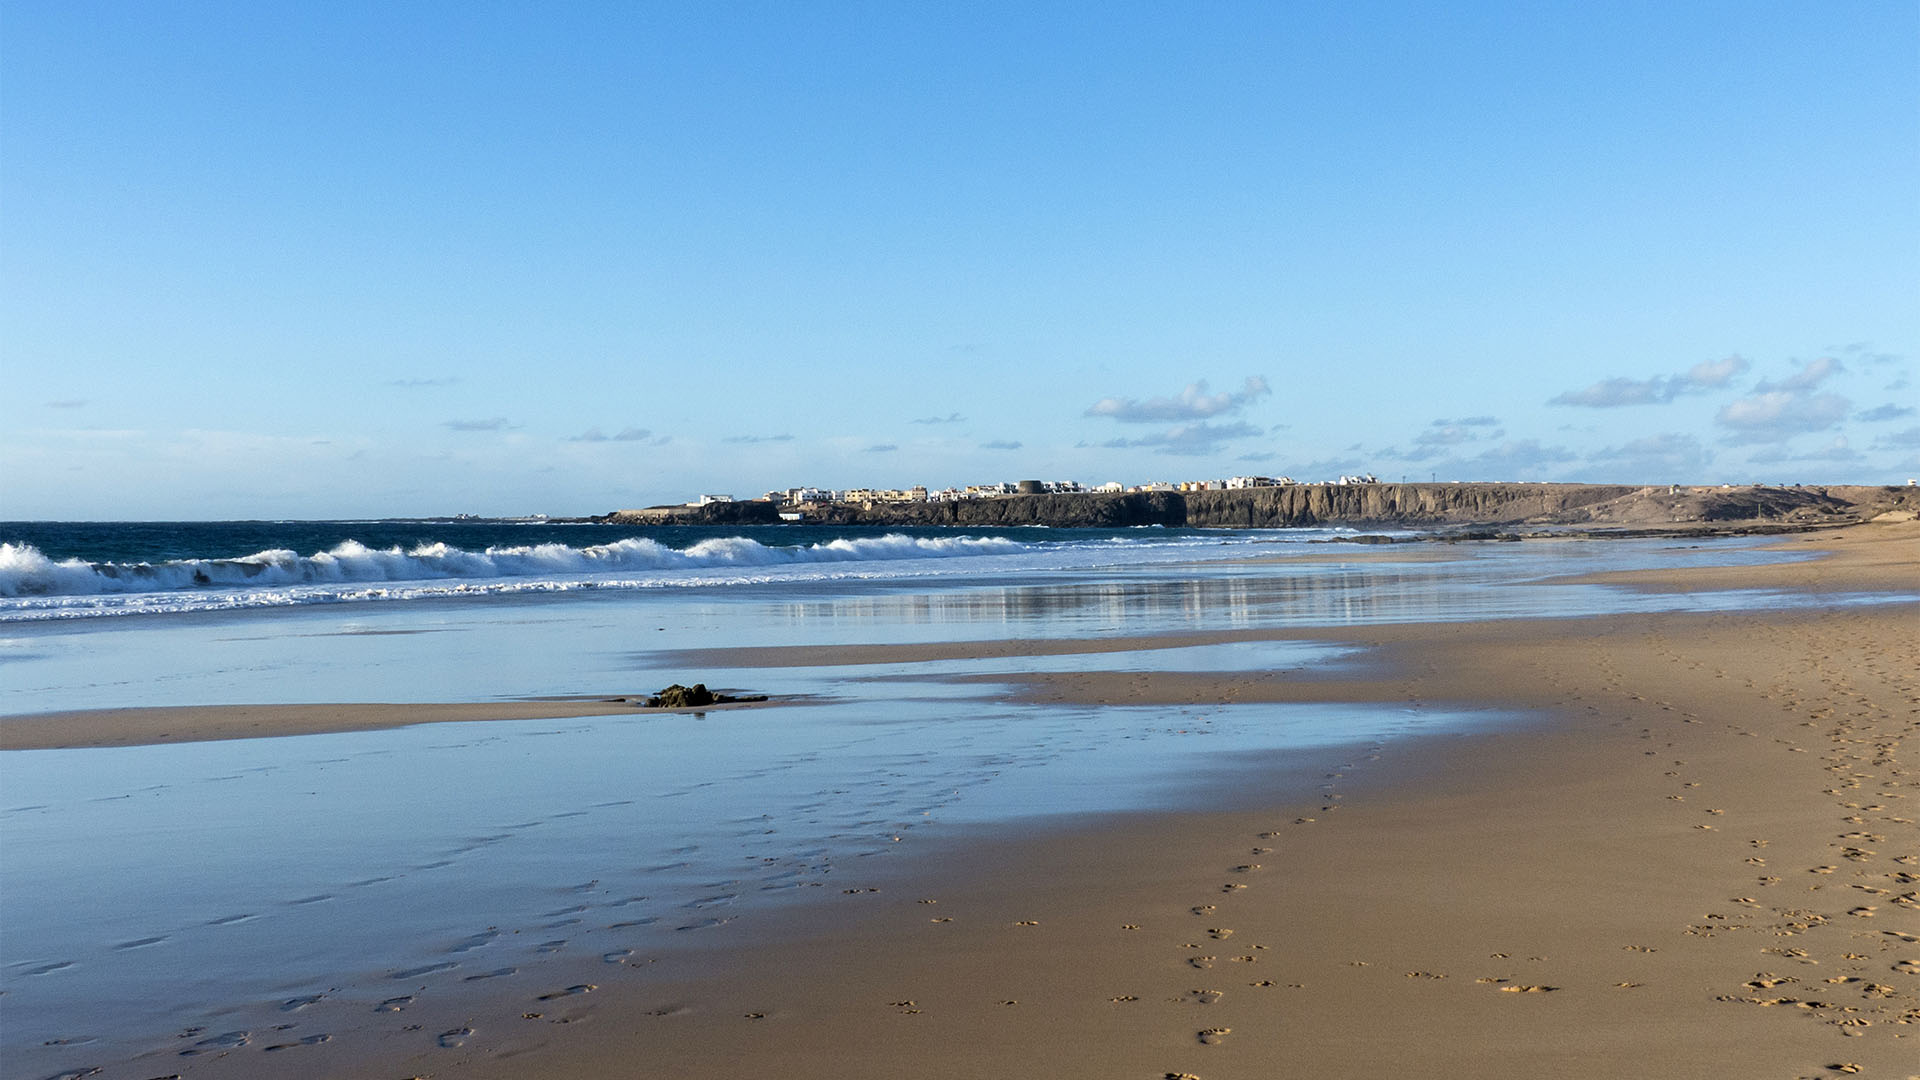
(149,890)
(496,647)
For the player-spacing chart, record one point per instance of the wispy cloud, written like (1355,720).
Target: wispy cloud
(1187,439)
(1836,451)
(1000,444)
(595,435)
(880,448)
(1455,432)
(950,418)
(1514,460)
(422,384)
(1616,392)
(1670,455)
(68,403)
(1866,354)
(1885,412)
(491,423)
(1899,440)
(757,438)
(1193,403)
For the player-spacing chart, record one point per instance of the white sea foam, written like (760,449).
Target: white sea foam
(24,571)
(34,587)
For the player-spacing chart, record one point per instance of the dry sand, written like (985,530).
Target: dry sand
(1704,864)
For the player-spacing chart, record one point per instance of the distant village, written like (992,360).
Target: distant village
(795,500)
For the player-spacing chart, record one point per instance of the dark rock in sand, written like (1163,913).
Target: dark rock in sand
(695,696)
(681,697)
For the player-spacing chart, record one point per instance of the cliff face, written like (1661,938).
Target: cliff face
(1393,504)
(1381,505)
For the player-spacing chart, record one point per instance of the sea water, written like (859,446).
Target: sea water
(150,890)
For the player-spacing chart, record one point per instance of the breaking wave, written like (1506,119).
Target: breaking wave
(25,572)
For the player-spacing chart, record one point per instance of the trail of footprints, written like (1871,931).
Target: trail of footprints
(1844,931)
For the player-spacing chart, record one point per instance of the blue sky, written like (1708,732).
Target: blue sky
(388,259)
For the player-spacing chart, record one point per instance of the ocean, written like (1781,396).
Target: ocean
(60,570)
(285,888)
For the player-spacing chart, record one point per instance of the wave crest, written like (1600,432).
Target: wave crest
(25,571)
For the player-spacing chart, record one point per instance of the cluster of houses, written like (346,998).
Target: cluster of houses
(803,496)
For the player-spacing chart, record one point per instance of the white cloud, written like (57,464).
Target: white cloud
(1811,374)
(1187,439)
(1194,403)
(1616,392)
(491,423)
(1769,415)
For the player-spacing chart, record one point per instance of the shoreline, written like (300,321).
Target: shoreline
(1860,557)
(1669,873)
(1698,858)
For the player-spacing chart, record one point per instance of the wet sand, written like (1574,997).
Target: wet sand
(207,723)
(1703,863)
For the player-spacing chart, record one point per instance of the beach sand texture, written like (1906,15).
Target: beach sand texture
(1705,864)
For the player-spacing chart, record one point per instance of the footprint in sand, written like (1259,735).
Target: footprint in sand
(1529,989)
(394,1004)
(1201,962)
(581,988)
(227,1041)
(1214,1036)
(1219,933)
(456,1037)
(1203,909)
(1202,997)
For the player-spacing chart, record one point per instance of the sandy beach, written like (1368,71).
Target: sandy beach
(1686,847)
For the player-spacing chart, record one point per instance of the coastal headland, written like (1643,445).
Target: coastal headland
(1380,505)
